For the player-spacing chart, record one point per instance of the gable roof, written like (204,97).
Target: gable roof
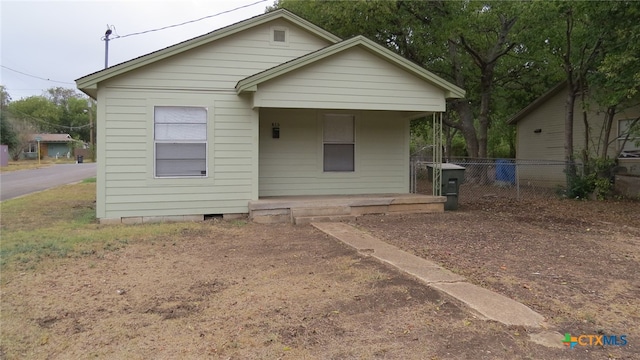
(536,103)
(89,83)
(51,137)
(251,83)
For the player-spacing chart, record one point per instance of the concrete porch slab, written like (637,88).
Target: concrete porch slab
(324,207)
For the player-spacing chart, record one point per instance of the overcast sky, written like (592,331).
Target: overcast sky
(61,40)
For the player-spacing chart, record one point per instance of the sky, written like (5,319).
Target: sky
(45,44)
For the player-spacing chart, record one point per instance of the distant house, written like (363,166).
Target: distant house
(540,136)
(51,145)
(269,106)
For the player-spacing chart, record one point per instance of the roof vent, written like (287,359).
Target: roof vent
(279,35)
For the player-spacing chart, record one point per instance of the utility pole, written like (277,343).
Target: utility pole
(38,139)
(106,48)
(91,139)
(92,144)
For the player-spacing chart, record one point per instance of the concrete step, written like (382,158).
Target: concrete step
(270,216)
(416,208)
(299,220)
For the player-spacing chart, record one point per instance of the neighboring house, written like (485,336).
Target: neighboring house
(540,136)
(270,106)
(51,145)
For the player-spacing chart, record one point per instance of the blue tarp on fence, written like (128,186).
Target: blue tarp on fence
(505,171)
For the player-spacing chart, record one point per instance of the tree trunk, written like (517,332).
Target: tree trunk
(585,150)
(449,133)
(463,108)
(608,124)
(568,134)
(486,82)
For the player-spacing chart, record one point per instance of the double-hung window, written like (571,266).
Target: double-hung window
(629,129)
(180,140)
(33,147)
(338,142)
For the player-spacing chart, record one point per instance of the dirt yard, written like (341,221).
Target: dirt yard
(575,262)
(237,290)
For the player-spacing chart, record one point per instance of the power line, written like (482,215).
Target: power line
(34,76)
(186,22)
(18,113)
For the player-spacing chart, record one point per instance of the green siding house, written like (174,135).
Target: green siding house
(51,145)
(270,106)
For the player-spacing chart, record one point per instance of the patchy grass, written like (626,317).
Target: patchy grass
(33,164)
(61,223)
(72,288)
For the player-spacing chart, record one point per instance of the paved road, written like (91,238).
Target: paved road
(22,182)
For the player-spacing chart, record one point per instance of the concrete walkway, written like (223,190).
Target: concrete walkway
(487,304)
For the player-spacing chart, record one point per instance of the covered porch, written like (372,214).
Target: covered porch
(316,208)
(334,133)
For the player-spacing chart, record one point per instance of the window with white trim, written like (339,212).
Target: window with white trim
(33,147)
(180,141)
(630,147)
(338,143)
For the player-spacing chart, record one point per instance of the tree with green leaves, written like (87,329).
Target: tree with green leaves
(74,107)
(38,110)
(470,43)
(5,98)
(7,134)
(59,111)
(615,83)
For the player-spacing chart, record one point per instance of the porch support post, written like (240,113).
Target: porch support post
(437,154)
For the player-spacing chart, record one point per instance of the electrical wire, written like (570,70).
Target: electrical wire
(21,114)
(34,76)
(184,23)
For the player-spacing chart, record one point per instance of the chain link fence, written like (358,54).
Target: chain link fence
(496,178)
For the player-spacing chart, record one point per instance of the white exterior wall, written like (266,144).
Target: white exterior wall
(204,76)
(293,164)
(353,79)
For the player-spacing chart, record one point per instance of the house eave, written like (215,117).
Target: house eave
(534,105)
(90,90)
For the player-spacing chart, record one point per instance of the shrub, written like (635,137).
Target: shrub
(595,180)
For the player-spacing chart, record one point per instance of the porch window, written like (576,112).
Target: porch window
(338,142)
(630,148)
(180,141)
